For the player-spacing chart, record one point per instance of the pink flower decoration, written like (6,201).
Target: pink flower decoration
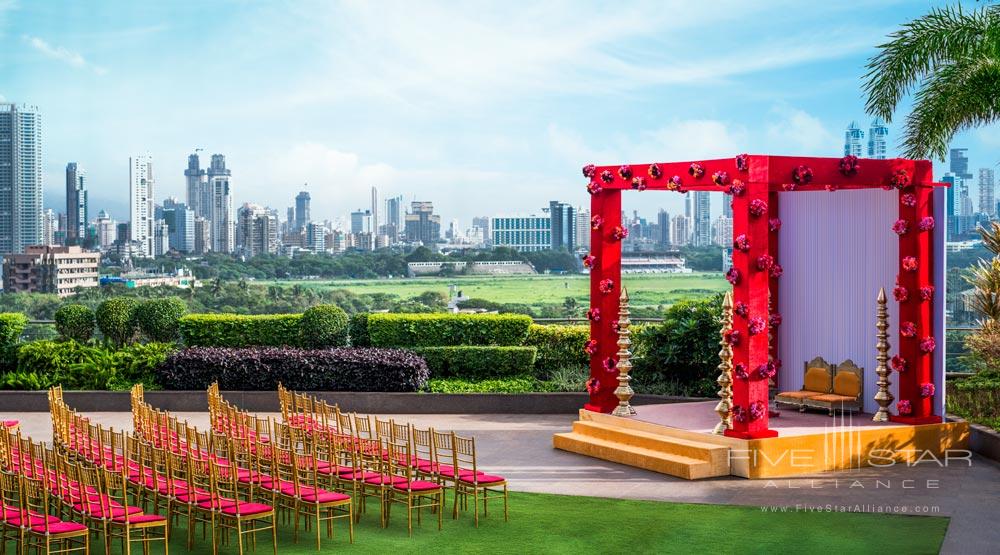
(900,293)
(609,364)
(928,344)
(589,170)
(741,243)
(788,186)
(927,292)
(910,263)
(767,371)
(757,325)
(903,407)
(619,233)
(739,415)
(774,320)
(696,170)
(588,261)
(654,171)
(741,309)
(802,175)
(743,162)
(606,286)
(774,224)
(898,363)
(732,337)
(594,187)
(830,187)
(625,172)
(908,199)
(849,165)
(765,262)
(777,271)
(639,183)
(737,188)
(926,223)
(720,178)
(908,329)
(757,410)
(596,221)
(900,227)
(590,347)
(899,179)
(594,314)
(615,327)
(674,183)
(927,389)
(758,207)
(593,385)
(607,176)
(740,371)
(733,275)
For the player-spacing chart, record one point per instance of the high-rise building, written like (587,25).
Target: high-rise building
(76,204)
(50,226)
(687,204)
(680,231)
(180,225)
(987,192)
(50,269)
(302,210)
(393,218)
(878,135)
(161,238)
(662,228)
(197,186)
(582,228)
(315,237)
(105,225)
(223,219)
(202,235)
(958,163)
(722,231)
(141,209)
(256,230)
(20,177)
(374,210)
(702,219)
(563,226)
(422,224)
(522,233)
(852,140)
(361,221)
(727,206)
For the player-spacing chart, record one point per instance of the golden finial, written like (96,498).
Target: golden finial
(624,366)
(725,380)
(883,397)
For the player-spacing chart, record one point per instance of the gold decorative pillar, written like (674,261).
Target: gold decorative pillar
(883,397)
(624,366)
(725,379)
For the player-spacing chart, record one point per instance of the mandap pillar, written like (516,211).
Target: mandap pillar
(605,288)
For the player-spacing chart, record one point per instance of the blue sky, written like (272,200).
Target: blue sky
(483,108)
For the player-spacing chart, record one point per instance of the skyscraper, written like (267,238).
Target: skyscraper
(878,134)
(105,230)
(223,219)
(361,221)
(76,204)
(393,218)
(256,230)
(702,219)
(50,225)
(141,194)
(723,231)
(197,186)
(563,226)
(374,209)
(987,192)
(663,228)
(852,140)
(958,163)
(582,228)
(302,215)
(180,225)
(20,177)
(422,224)
(680,230)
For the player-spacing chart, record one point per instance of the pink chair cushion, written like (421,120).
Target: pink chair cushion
(449,471)
(11,423)
(359,475)
(245,509)
(114,511)
(482,479)
(141,519)
(59,528)
(381,479)
(198,496)
(417,485)
(15,518)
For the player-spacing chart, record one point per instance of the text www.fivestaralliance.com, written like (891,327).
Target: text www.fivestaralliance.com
(856,508)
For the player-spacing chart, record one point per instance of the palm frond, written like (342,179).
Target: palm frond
(959,95)
(942,36)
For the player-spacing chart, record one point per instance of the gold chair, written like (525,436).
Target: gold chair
(414,493)
(846,395)
(817,379)
(470,481)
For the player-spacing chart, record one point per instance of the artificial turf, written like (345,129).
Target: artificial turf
(543,523)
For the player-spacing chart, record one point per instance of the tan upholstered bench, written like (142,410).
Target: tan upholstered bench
(817,379)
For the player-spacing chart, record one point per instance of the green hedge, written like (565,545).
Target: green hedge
(236,330)
(75,321)
(42,364)
(12,325)
(358,329)
(116,318)
(443,330)
(158,318)
(477,362)
(323,326)
(559,346)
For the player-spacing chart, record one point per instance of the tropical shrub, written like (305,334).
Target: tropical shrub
(116,318)
(359,330)
(558,346)
(75,321)
(41,364)
(159,319)
(261,369)
(11,327)
(237,330)
(476,362)
(523,384)
(323,326)
(442,330)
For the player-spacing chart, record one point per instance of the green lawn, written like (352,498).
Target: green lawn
(645,289)
(542,523)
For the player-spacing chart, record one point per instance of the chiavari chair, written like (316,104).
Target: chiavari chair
(407,489)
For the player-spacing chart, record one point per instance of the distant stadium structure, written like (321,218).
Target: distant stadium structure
(491,267)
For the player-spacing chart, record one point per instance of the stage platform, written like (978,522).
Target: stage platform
(676,439)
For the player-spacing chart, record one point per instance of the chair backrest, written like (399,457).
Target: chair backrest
(849,379)
(383,429)
(363,426)
(817,375)
(423,443)
(444,448)
(345,424)
(35,499)
(465,454)
(397,460)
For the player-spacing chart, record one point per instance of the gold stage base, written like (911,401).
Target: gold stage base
(694,453)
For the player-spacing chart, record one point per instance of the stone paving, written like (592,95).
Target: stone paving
(520,448)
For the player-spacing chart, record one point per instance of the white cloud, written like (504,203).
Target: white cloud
(798,133)
(69,57)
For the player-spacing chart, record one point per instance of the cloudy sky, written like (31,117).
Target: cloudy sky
(483,108)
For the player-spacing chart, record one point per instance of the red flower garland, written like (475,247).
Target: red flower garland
(606,286)
(609,364)
(776,271)
(908,329)
(899,179)
(908,199)
(739,415)
(774,224)
(639,183)
(757,410)
(774,320)
(928,344)
(589,170)
(788,186)
(802,175)
(927,389)
(696,170)
(732,337)
(765,262)
(910,263)
(590,347)
(625,172)
(674,183)
(741,243)
(741,309)
(900,227)
(740,371)
(898,363)
(743,162)
(830,187)
(588,261)
(720,178)
(738,188)
(607,176)
(757,207)
(757,325)
(596,221)
(903,407)
(594,314)
(926,223)
(594,187)
(733,275)
(768,370)
(900,293)
(849,165)
(593,385)
(619,233)
(927,292)
(654,171)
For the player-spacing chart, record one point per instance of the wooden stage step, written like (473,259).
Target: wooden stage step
(684,458)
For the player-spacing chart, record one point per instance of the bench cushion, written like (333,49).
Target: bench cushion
(798,394)
(817,379)
(847,383)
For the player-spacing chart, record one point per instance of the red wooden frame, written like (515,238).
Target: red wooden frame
(763,178)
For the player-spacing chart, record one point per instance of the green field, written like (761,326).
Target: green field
(645,289)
